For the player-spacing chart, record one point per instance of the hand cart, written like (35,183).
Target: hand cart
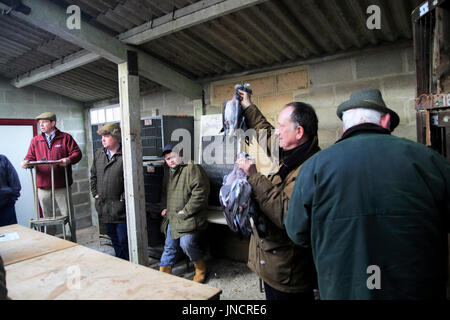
(54,220)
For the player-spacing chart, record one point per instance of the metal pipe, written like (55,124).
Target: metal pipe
(69,209)
(53,192)
(36,206)
(36,195)
(64,230)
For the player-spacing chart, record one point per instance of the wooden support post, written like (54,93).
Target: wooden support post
(198,112)
(132,159)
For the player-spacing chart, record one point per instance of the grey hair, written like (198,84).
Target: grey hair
(353,117)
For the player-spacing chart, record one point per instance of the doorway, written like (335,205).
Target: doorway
(17,134)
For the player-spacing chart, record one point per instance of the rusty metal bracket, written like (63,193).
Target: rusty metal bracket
(427,129)
(432,101)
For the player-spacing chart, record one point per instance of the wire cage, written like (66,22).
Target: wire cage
(431,28)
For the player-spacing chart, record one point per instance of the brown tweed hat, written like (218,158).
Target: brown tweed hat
(112,129)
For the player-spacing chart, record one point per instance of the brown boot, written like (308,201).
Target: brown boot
(166,269)
(200,271)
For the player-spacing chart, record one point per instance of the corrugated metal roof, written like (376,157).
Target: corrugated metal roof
(121,15)
(92,82)
(272,33)
(24,47)
(281,31)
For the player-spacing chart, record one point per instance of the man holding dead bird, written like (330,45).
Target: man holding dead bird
(286,269)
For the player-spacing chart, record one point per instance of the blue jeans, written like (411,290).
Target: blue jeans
(189,244)
(118,234)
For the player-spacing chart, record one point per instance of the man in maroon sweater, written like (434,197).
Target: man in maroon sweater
(53,144)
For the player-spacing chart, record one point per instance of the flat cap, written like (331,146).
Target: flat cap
(46,116)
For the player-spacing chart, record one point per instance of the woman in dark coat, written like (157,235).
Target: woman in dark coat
(9,192)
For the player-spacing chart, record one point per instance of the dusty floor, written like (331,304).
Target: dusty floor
(235,279)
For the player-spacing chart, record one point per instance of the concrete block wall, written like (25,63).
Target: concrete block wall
(166,102)
(329,84)
(332,83)
(27,103)
(161,102)
(271,91)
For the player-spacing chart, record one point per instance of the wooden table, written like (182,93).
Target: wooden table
(29,245)
(77,272)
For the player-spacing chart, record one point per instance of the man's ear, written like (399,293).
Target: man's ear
(386,121)
(300,133)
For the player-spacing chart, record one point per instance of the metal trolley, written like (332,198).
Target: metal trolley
(54,220)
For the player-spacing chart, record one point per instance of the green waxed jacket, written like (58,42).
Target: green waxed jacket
(373,199)
(185,189)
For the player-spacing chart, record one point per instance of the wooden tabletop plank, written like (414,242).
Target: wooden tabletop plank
(30,244)
(101,277)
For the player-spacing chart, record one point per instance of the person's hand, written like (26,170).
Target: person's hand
(247,165)
(25,164)
(64,162)
(163,213)
(96,196)
(181,212)
(245,99)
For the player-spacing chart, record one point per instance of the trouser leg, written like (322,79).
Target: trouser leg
(45,199)
(61,196)
(190,245)
(111,231)
(169,255)
(7,216)
(122,239)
